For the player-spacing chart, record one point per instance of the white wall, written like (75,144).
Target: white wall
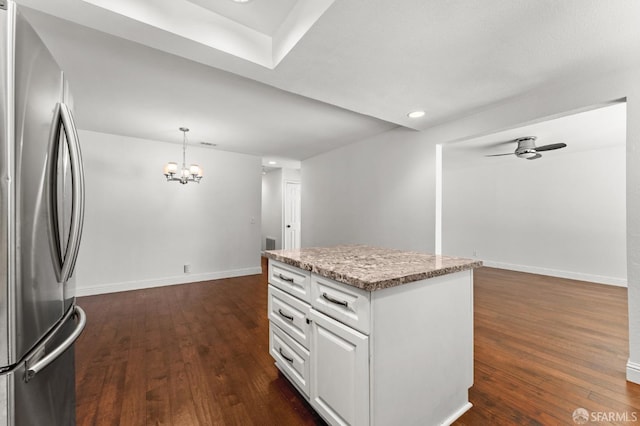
(574,94)
(633,227)
(361,193)
(291,175)
(378,191)
(272,207)
(563,215)
(140,230)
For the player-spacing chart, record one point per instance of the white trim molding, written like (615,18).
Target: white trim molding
(161,282)
(438,192)
(600,279)
(633,372)
(453,417)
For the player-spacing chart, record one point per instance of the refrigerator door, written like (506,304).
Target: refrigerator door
(6,202)
(41,391)
(38,290)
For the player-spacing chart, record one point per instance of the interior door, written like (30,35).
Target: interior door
(292,217)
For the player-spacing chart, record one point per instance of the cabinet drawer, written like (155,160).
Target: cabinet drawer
(290,314)
(291,358)
(347,304)
(290,279)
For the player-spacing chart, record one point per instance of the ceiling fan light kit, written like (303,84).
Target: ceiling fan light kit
(527,148)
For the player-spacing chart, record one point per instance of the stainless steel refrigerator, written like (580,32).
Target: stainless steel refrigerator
(41,217)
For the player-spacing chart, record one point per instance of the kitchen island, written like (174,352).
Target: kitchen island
(373,336)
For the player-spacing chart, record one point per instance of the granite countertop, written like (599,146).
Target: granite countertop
(371,268)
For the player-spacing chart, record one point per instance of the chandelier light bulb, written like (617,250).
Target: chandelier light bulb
(170,168)
(195,170)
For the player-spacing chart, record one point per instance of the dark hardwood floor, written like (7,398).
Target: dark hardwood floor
(547,346)
(197,354)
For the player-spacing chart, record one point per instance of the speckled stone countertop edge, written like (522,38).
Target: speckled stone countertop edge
(372,285)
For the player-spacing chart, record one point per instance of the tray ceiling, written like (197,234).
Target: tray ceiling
(259,32)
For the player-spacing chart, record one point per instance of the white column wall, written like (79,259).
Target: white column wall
(378,191)
(633,228)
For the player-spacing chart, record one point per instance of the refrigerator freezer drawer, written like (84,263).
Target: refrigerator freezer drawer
(46,395)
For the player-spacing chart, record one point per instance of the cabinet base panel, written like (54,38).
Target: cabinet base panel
(446,422)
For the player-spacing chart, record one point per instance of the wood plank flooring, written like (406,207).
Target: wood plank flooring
(547,346)
(197,354)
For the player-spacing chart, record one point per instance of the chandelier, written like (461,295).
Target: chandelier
(186,175)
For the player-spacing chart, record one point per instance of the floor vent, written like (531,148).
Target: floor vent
(270,243)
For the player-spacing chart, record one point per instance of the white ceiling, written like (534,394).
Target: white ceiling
(593,129)
(368,63)
(263,16)
(221,25)
(125,88)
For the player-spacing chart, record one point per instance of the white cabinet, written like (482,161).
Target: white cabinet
(293,280)
(291,358)
(339,372)
(396,356)
(290,314)
(349,305)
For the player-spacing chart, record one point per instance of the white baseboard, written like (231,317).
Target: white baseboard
(456,415)
(633,372)
(618,282)
(161,282)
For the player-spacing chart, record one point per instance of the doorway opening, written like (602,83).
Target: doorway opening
(281,218)
(560,213)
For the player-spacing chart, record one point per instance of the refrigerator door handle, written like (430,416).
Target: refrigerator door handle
(65,255)
(35,368)
(77,191)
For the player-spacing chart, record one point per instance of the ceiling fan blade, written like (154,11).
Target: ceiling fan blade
(535,157)
(550,147)
(498,155)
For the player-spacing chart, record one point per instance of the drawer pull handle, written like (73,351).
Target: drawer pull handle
(290,360)
(336,301)
(283,278)
(282,314)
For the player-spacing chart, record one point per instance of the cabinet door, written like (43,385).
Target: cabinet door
(339,371)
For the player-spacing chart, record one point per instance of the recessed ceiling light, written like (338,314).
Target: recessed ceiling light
(416,114)
(241,1)
(272,162)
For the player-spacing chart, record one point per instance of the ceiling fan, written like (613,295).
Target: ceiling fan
(527,148)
